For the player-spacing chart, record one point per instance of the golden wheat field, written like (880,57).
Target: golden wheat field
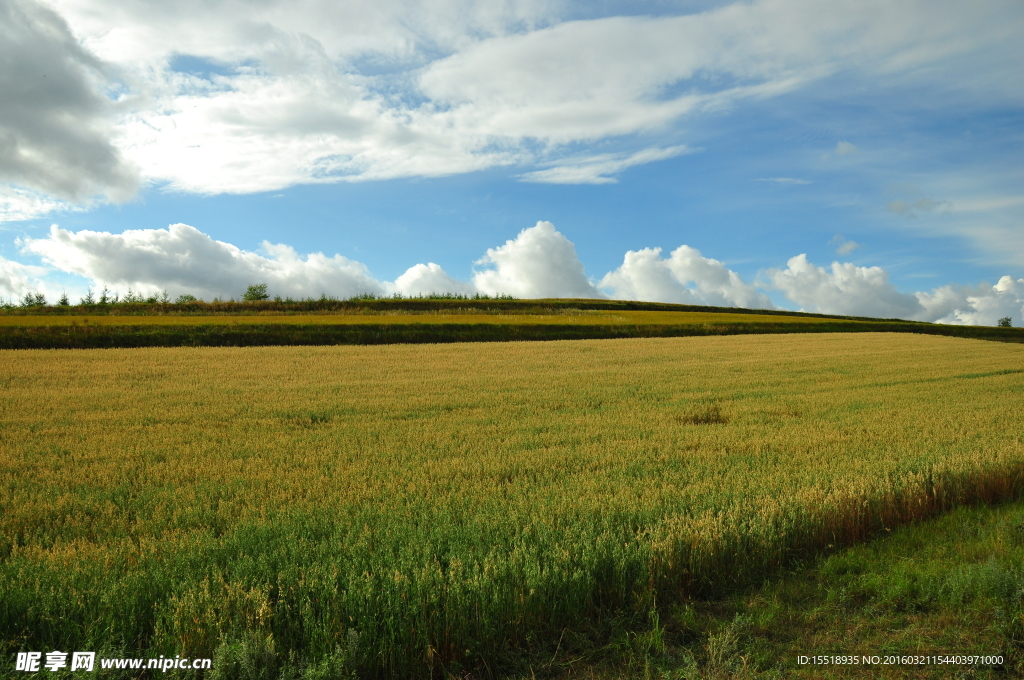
(447,504)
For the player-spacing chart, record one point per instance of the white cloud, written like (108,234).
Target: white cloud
(975,205)
(843,246)
(182,259)
(619,75)
(16,279)
(265,132)
(424,279)
(314,91)
(597,169)
(538,263)
(684,277)
(783,180)
(844,148)
(847,289)
(146,31)
(866,291)
(56,127)
(978,305)
(982,204)
(911,208)
(23,204)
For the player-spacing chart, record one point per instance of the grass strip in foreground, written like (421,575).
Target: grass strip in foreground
(951,586)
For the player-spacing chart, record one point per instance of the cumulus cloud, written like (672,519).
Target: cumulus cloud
(16,279)
(845,289)
(425,279)
(976,305)
(538,263)
(182,259)
(866,291)
(56,128)
(685,276)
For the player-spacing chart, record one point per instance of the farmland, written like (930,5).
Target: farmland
(415,509)
(417,320)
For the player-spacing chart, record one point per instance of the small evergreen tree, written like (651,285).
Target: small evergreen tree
(89,299)
(33,300)
(64,301)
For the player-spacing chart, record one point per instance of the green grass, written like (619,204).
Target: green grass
(949,586)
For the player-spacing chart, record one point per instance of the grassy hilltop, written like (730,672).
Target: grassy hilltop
(471,509)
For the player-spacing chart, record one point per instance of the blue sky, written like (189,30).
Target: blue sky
(532,148)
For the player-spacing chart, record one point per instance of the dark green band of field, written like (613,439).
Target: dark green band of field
(257,334)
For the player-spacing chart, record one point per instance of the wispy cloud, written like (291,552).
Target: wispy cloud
(844,148)
(982,204)
(843,246)
(474,85)
(18,204)
(599,169)
(783,180)
(913,207)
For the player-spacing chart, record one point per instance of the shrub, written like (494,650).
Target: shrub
(184,298)
(1006,322)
